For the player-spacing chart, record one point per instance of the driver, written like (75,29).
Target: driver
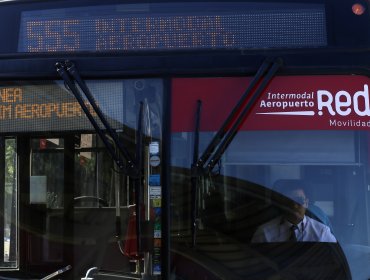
(293,225)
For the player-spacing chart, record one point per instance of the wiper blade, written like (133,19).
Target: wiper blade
(69,74)
(240,119)
(224,136)
(229,128)
(194,180)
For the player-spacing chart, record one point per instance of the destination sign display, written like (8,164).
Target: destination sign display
(12,107)
(47,106)
(171,26)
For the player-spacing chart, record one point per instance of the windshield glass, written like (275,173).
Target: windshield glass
(280,182)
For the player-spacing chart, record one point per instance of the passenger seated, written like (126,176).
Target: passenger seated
(293,224)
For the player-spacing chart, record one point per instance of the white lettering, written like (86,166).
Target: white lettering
(349,123)
(365,95)
(339,104)
(343,103)
(321,94)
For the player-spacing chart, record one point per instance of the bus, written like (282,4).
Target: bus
(154,139)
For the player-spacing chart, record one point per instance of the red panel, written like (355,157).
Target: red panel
(302,102)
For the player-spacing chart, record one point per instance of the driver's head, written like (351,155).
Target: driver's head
(295,205)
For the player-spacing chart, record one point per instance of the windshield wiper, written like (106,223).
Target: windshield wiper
(70,75)
(228,130)
(132,168)
(212,154)
(194,180)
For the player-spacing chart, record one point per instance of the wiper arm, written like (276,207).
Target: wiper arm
(240,119)
(226,133)
(69,74)
(229,128)
(194,180)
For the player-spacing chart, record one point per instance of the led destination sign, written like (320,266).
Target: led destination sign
(49,106)
(170,26)
(12,107)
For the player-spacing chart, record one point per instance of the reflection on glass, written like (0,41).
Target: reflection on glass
(10,257)
(96,175)
(240,204)
(47,172)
